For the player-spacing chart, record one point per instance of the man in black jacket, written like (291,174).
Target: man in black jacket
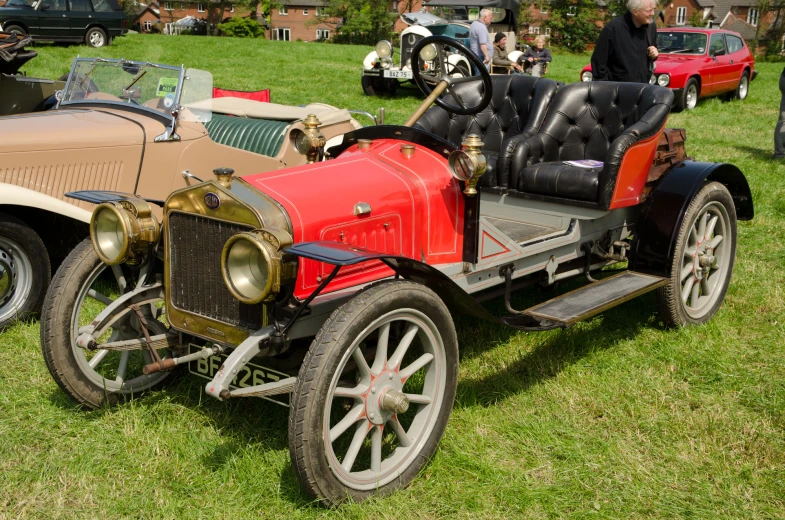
(626,46)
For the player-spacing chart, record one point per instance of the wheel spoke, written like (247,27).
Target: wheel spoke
(362,364)
(456,97)
(344,424)
(354,393)
(466,79)
(711,226)
(380,361)
(685,272)
(418,399)
(685,292)
(415,366)
(95,295)
(693,236)
(689,252)
(715,241)
(696,290)
(403,345)
(397,428)
(99,356)
(702,226)
(440,55)
(120,277)
(354,448)
(705,287)
(376,449)
(122,367)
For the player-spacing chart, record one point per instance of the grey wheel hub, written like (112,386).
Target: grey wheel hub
(16,278)
(96,39)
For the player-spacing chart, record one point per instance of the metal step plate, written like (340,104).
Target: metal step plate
(595,298)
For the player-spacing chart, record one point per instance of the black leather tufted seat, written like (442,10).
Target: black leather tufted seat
(517,107)
(596,120)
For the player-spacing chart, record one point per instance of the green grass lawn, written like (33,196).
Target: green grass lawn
(614,418)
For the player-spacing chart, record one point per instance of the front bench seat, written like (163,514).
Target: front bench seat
(517,108)
(597,121)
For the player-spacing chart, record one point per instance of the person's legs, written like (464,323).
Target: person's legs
(779,130)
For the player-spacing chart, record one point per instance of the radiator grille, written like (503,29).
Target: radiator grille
(195,281)
(408,42)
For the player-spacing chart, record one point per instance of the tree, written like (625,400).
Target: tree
(574,23)
(359,21)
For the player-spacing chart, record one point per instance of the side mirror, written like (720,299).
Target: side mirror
(45,6)
(718,52)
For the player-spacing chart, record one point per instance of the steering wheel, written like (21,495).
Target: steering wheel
(438,79)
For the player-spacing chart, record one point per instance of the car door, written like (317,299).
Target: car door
(81,16)
(53,20)
(736,55)
(721,75)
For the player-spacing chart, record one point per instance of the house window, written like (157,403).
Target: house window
(231,8)
(320,11)
(544,8)
(148,26)
(322,34)
(535,30)
(283,11)
(395,6)
(572,10)
(548,32)
(182,6)
(305,11)
(681,15)
(752,17)
(281,34)
(168,6)
(200,7)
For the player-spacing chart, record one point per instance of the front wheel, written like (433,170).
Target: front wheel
(703,259)
(373,86)
(15,29)
(689,96)
(82,287)
(24,271)
(374,393)
(96,37)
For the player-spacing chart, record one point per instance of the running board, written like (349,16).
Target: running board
(595,298)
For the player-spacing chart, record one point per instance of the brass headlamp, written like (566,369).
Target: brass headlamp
(124,231)
(309,142)
(253,265)
(469,164)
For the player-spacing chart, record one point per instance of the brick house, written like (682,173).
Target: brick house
(168,12)
(291,20)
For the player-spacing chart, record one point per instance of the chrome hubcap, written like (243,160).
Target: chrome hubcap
(15,278)
(96,39)
(692,96)
(743,88)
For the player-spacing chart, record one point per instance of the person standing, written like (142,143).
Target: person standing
(626,47)
(537,57)
(779,130)
(480,40)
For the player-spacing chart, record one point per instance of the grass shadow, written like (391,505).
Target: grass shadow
(760,153)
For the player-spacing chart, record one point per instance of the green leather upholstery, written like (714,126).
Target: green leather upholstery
(262,136)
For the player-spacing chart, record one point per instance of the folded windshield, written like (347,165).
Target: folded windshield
(148,86)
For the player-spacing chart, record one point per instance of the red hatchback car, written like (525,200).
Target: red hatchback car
(697,63)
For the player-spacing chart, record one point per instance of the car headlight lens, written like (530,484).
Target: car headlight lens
(663,80)
(428,53)
(300,141)
(123,231)
(653,79)
(253,266)
(386,63)
(586,75)
(384,49)
(462,165)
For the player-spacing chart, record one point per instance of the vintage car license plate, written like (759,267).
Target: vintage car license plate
(250,375)
(402,74)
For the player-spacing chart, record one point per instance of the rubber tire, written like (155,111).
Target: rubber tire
(93,30)
(745,76)
(669,296)
(15,29)
(306,445)
(29,241)
(56,330)
(681,102)
(373,86)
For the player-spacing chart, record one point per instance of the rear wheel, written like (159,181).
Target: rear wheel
(374,393)
(15,29)
(743,87)
(689,96)
(703,259)
(96,37)
(83,287)
(24,271)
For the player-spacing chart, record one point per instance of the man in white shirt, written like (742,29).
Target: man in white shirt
(479,39)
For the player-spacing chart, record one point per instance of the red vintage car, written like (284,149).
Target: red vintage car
(332,287)
(698,63)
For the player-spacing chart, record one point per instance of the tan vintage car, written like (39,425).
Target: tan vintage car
(20,93)
(129,127)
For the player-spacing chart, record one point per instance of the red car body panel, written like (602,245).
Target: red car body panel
(417,213)
(716,75)
(634,171)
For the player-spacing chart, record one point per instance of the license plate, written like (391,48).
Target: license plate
(250,375)
(401,74)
